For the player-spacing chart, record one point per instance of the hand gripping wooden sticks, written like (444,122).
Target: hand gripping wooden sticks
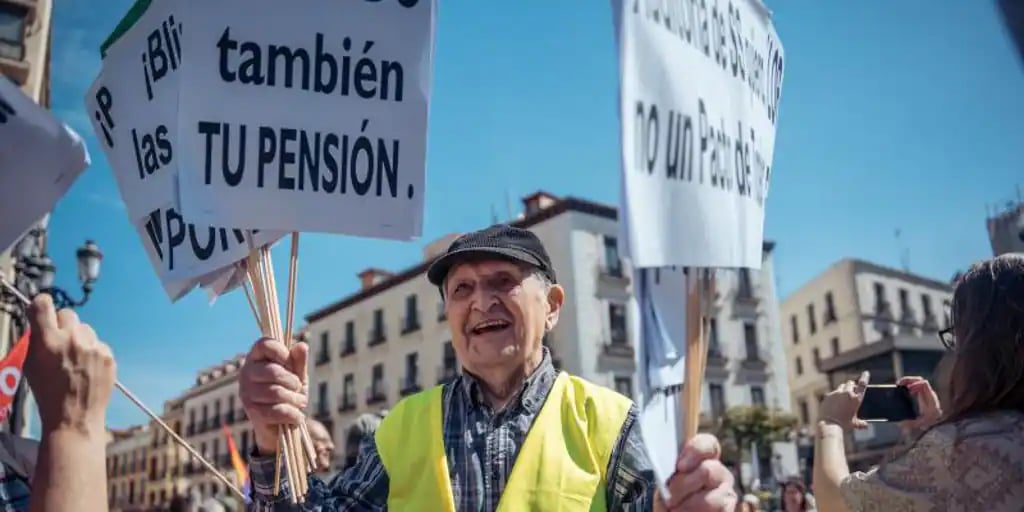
(295,452)
(131,397)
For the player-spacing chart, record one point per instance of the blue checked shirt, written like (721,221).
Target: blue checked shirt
(481,448)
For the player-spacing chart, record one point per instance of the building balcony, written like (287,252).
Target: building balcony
(611,280)
(745,304)
(756,364)
(410,324)
(447,373)
(409,384)
(215,422)
(619,348)
(348,348)
(376,394)
(376,337)
(715,357)
(347,403)
(229,418)
(930,324)
(323,357)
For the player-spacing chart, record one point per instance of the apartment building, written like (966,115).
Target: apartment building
(25,59)
(1006,229)
(165,474)
(211,411)
(858,316)
(390,338)
(126,469)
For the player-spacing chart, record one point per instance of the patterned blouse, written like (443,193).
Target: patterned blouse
(973,465)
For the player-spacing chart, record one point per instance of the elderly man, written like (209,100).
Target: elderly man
(323,445)
(511,434)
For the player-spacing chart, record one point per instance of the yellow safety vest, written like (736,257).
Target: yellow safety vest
(560,467)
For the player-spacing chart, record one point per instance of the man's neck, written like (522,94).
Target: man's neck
(500,387)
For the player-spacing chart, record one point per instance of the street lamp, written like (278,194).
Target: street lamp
(36,271)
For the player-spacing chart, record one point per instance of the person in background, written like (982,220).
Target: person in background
(323,445)
(794,496)
(362,429)
(750,503)
(71,374)
(964,455)
(511,429)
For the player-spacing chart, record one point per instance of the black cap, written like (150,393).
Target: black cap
(498,241)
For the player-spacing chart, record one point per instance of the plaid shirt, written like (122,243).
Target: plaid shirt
(481,447)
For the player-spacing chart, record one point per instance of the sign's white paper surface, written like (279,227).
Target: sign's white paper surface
(699,104)
(40,158)
(311,119)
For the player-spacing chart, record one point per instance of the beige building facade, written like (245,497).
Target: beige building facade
(127,452)
(25,41)
(854,304)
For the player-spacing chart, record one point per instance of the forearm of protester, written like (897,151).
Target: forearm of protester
(830,467)
(70,472)
(363,487)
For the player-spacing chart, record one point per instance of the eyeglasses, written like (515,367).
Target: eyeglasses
(947,339)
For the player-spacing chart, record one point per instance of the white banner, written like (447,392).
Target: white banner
(40,158)
(306,119)
(133,106)
(700,87)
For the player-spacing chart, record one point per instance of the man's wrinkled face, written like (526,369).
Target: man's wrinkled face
(498,312)
(323,445)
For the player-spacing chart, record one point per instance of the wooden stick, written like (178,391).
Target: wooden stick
(152,415)
(692,380)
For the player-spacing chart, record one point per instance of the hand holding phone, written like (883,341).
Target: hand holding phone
(888,402)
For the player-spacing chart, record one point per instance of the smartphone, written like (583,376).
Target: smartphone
(887,402)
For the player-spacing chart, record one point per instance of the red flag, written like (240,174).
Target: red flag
(10,374)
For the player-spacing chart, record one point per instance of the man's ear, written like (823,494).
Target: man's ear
(556,297)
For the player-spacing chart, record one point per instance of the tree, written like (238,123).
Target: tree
(742,426)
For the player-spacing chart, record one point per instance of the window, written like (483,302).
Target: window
(750,340)
(191,421)
(812,321)
(321,398)
(905,310)
(348,387)
(377,333)
(835,347)
(411,322)
(830,308)
(795,327)
(449,355)
(757,395)
(216,413)
(799,366)
(624,385)
(947,311)
(12,31)
(612,263)
(717,400)
(617,321)
(412,369)
(817,357)
(746,289)
(216,450)
(926,307)
(805,413)
(880,303)
(206,417)
(377,382)
(349,346)
(713,345)
(324,355)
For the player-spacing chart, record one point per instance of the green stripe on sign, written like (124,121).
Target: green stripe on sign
(126,23)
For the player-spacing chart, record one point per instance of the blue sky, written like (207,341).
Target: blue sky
(894,115)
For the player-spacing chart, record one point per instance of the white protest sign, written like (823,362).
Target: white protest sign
(700,87)
(40,158)
(133,106)
(306,119)
(180,249)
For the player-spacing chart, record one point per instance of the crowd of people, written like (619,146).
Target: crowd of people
(514,433)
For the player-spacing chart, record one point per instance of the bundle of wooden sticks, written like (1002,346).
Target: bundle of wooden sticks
(295,450)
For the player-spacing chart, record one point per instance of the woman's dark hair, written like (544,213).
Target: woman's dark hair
(987,317)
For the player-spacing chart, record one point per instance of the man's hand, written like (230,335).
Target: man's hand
(272,390)
(701,483)
(70,371)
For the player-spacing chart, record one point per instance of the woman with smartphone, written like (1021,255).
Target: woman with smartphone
(968,453)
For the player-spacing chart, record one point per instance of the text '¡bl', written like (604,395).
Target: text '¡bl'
(162,54)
